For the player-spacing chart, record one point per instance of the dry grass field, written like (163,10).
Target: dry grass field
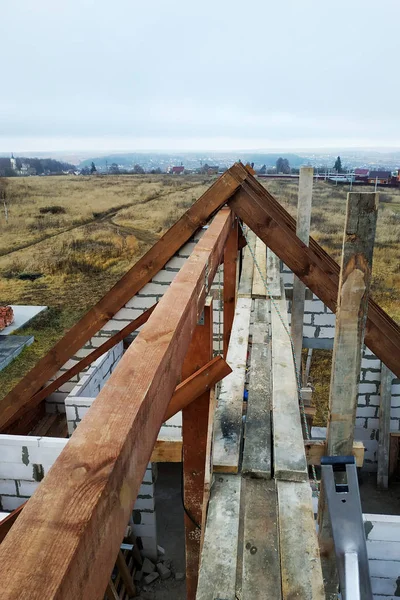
(69,239)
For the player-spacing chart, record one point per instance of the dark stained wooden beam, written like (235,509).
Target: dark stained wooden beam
(230,288)
(72,527)
(264,215)
(140,274)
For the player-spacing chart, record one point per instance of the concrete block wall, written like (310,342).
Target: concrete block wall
(319,332)
(144,299)
(25,461)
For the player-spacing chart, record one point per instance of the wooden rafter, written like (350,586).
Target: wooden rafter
(140,274)
(72,526)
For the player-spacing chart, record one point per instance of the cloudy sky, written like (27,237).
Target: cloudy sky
(215,75)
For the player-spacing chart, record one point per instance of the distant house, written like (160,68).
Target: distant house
(361,174)
(382,177)
(178,170)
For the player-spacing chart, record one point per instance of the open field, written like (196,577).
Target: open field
(69,239)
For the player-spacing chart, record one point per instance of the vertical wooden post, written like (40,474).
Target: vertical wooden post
(194,433)
(302,232)
(351,315)
(230,287)
(384,427)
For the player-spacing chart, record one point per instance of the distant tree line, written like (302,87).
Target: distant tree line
(39,165)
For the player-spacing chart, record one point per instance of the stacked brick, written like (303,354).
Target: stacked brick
(6,316)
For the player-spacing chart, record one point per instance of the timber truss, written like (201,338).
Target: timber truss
(66,539)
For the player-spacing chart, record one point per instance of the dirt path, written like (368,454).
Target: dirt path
(141,235)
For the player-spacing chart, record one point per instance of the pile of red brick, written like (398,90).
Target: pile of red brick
(6,316)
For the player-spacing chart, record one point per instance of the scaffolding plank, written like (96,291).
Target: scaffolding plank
(228,414)
(300,560)
(289,455)
(246,275)
(273,274)
(71,528)
(257,444)
(259,290)
(217,576)
(384,427)
(261,563)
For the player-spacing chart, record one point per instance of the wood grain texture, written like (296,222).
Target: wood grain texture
(300,560)
(217,577)
(351,316)
(140,274)
(228,415)
(257,444)
(72,526)
(289,456)
(384,427)
(195,419)
(261,561)
(8,522)
(197,384)
(167,450)
(273,224)
(230,288)
(258,290)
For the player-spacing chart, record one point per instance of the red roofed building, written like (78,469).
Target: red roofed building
(361,174)
(178,170)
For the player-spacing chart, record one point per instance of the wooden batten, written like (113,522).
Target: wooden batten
(72,526)
(384,428)
(246,275)
(289,456)
(257,444)
(258,289)
(228,415)
(273,275)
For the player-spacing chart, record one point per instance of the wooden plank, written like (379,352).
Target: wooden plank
(384,428)
(303,233)
(300,560)
(315,449)
(125,574)
(90,358)
(111,592)
(230,288)
(355,276)
(72,526)
(43,426)
(194,434)
(197,384)
(289,456)
(228,415)
(257,443)
(8,522)
(258,290)
(208,473)
(273,224)
(217,577)
(246,275)
(167,450)
(261,561)
(394,454)
(273,275)
(140,274)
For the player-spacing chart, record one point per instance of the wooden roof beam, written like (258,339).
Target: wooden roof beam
(72,526)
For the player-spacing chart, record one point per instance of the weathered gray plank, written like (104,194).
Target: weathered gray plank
(228,415)
(384,427)
(261,562)
(300,561)
(273,274)
(258,290)
(217,576)
(302,232)
(289,456)
(351,317)
(246,275)
(257,444)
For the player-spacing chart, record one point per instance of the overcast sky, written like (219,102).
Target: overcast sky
(214,74)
